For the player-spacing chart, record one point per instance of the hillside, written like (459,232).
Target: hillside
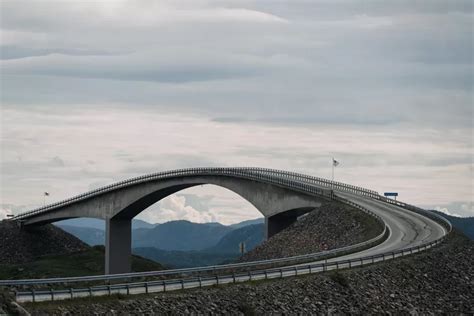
(48,251)
(255,221)
(209,243)
(182,236)
(251,235)
(24,245)
(100,223)
(86,262)
(226,250)
(463,224)
(330,226)
(89,235)
(184,259)
(436,282)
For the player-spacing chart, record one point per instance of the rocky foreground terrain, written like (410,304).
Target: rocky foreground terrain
(333,225)
(24,245)
(438,281)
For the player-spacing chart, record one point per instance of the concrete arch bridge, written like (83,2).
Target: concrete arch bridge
(280,196)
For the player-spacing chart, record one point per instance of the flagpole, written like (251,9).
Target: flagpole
(332,163)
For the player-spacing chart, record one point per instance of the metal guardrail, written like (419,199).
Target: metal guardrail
(287,260)
(285,178)
(177,284)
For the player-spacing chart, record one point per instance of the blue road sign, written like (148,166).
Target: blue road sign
(390,194)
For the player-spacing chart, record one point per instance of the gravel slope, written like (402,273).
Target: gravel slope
(333,225)
(438,281)
(25,245)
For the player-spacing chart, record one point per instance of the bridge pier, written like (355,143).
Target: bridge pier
(275,224)
(118,245)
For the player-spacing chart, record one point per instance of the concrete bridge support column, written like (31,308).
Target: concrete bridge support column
(275,224)
(118,246)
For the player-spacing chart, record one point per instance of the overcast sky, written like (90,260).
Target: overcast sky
(96,92)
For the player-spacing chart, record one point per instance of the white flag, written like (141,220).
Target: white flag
(335,163)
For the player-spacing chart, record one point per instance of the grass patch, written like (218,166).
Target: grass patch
(88,262)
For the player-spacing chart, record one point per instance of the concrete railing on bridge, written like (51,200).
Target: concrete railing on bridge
(288,179)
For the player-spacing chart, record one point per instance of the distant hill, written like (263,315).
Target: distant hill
(174,235)
(100,224)
(91,236)
(464,224)
(20,245)
(180,244)
(85,262)
(260,220)
(251,235)
(181,235)
(47,251)
(226,250)
(183,259)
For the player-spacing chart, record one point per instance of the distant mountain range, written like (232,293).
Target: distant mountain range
(180,235)
(100,224)
(463,224)
(177,243)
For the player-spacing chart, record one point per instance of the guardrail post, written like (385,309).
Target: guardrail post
(324,267)
(90,291)
(52,294)
(164,286)
(296,270)
(182,284)
(33,295)
(250,276)
(266,275)
(350,263)
(200,281)
(72,293)
(309,268)
(281,273)
(233,276)
(146,287)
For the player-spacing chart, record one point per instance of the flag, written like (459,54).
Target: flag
(335,163)
(46,194)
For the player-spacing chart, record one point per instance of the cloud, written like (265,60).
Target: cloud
(458,208)
(175,207)
(4,212)
(142,86)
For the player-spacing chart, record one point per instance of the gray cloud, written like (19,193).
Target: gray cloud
(143,86)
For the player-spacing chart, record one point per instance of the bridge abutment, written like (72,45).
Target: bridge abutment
(118,246)
(275,224)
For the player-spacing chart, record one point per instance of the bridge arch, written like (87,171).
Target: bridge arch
(279,205)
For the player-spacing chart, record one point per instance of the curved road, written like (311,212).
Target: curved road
(407,229)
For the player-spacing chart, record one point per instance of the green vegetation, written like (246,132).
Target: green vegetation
(87,262)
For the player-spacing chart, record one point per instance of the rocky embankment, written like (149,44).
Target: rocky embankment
(438,281)
(26,244)
(333,225)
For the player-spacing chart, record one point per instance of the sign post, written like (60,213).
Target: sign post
(242,248)
(391,194)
